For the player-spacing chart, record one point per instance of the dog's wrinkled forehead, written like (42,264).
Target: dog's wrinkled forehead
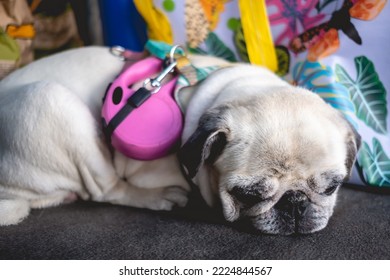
(291,134)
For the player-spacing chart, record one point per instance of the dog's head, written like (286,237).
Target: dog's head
(277,159)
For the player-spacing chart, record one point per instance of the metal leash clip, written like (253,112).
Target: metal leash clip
(123,54)
(156,83)
(119,52)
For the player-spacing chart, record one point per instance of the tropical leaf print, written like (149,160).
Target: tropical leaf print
(374,166)
(196,50)
(283,60)
(367,93)
(9,49)
(240,43)
(293,17)
(214,46)
(320,79)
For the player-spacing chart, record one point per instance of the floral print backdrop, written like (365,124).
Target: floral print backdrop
(337,48)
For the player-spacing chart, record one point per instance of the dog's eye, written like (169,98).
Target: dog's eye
(332,188)
(247,195)
(329,181)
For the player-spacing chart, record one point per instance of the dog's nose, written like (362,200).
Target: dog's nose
(293,203)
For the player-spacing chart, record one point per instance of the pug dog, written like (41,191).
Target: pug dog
(266,151)
(272,153)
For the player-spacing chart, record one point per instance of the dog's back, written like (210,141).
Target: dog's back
(71,69)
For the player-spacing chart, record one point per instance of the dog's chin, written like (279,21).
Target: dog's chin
(277,222)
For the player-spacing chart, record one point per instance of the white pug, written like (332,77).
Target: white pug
(267,151)
(272,153)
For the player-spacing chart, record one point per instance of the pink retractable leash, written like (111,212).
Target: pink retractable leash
(146,123)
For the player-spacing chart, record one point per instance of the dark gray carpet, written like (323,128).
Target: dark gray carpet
(359,229)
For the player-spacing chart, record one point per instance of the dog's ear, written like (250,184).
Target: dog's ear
(353,143)
(207,142)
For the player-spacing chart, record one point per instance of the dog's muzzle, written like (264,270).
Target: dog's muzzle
(293,204)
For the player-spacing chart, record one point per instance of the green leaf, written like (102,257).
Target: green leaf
(196,50)
(374,165)
(239,42)
(367,93)
(9,49)
(217,48)
(321,80)
(233,23)
(283,60)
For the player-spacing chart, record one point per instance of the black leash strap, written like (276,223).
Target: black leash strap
(134,101)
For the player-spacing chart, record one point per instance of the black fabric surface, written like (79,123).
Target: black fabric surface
(359,229)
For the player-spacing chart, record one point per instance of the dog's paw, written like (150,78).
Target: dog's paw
(166,198)
(13,211)
(161,198)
